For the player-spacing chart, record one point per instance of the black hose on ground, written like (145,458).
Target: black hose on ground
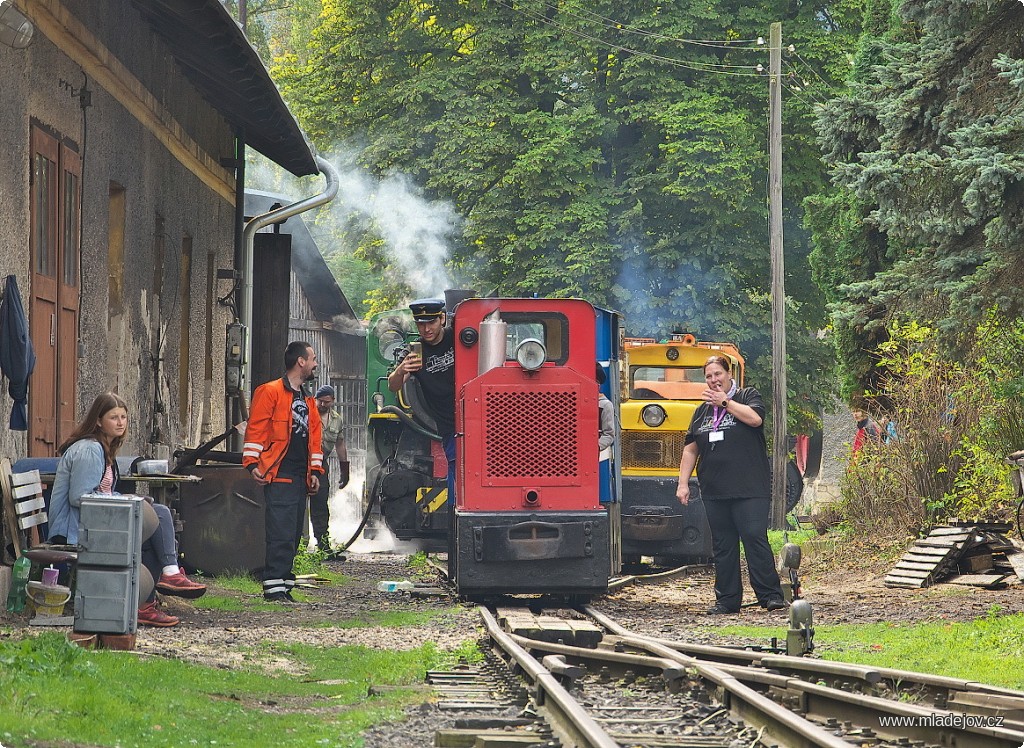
(374,498)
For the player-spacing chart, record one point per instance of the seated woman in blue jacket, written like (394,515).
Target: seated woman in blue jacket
(88,465)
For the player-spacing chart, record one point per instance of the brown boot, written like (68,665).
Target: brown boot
(150,615)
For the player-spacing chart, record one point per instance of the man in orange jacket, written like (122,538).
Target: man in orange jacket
(283,452)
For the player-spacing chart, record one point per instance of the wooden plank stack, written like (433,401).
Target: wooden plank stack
(552,629)
(976,554)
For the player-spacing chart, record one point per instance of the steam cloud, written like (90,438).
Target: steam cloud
(416,231)
(658,301)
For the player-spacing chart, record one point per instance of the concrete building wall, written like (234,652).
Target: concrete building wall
(174,204)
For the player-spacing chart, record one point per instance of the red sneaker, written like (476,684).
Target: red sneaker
(150,615)
(180,585)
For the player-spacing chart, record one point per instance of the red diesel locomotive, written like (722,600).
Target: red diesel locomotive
(528,515)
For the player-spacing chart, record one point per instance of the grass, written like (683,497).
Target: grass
(777,539)
(385,619)
(418,565)
(989,650)
(53,692)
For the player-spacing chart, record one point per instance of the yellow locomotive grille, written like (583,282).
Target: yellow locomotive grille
(652,450)
(531,434)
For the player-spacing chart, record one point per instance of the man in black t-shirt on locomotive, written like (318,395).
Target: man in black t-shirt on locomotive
(434,369)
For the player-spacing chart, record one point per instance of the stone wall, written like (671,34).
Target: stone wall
(837,435)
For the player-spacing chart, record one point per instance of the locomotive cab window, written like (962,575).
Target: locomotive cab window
(666,382)
(550,329)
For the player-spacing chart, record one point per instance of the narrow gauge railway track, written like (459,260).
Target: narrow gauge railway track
(936,692)
(658,576)
(595,712)
(785,701)
(440,567)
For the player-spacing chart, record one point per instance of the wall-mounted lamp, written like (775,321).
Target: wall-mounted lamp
(15,29)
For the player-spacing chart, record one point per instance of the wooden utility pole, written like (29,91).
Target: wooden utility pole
(780,440)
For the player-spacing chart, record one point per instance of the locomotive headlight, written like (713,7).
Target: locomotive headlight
(531,354)
(388,343)
(653,415)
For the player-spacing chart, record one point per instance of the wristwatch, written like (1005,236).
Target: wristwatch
(725,403)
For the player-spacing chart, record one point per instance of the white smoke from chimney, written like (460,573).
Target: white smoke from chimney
(416,231)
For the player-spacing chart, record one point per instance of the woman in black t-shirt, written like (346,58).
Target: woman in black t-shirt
(726,442)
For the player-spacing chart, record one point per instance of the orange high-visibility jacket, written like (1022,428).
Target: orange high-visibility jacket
(269,432)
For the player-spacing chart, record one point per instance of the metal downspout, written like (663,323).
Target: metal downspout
(258,222)
(237,260)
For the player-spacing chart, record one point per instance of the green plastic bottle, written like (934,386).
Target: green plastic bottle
(19,582)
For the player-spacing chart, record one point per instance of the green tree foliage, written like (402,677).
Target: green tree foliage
(955,424)
(925,152)
(357,280)
(605,150)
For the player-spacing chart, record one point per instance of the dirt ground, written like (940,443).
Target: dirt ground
(843,586)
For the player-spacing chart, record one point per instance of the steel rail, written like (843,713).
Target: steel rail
(744,702)
(947,683)
(568,720)
(921,722)
(732,655)
(975,698)
(735,656)
(684,571)
(441,569)
(668,669)
(869,676)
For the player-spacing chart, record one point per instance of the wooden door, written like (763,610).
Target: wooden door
(55,208)
(68,291)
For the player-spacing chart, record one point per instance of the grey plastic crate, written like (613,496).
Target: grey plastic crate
(107,600)
(110,530)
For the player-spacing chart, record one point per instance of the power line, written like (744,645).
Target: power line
(704,67)
(817,102)
(809,67)
(611,23)
(810,92)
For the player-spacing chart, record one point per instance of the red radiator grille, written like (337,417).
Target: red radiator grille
(531,434)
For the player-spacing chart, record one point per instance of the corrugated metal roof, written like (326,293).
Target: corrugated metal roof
(215,55)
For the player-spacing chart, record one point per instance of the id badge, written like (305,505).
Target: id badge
(716,436)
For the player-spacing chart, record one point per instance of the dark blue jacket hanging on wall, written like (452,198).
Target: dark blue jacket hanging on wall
(17,357)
